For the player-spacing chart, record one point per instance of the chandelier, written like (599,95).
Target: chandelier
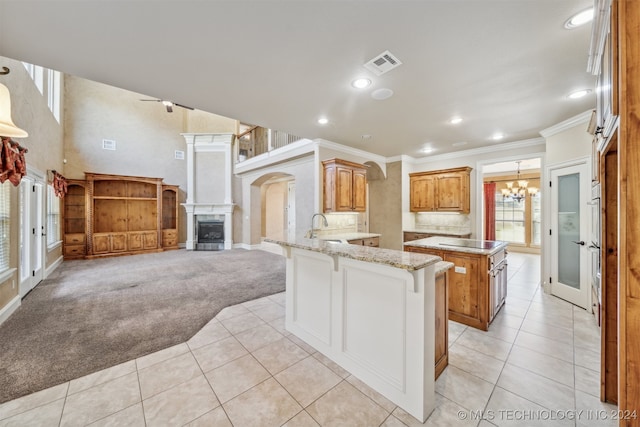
(520,192)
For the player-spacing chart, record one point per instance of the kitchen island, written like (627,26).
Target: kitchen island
(478,282)
(373,312)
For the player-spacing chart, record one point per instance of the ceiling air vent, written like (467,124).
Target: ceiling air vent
(108,144)
(382,63)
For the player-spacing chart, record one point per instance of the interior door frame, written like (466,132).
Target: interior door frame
(35,209)
(584,230)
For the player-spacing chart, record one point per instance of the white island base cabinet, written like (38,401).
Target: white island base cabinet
(375,320)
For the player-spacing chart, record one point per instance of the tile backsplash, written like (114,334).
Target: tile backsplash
(443,221)
(339,223)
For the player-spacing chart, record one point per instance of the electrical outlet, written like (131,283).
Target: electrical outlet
(13,283)
(460,270)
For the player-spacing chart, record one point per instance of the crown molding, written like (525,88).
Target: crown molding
(350,150)
(481,150)
(567,124)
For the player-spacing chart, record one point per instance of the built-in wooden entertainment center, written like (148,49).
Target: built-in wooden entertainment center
(107,215)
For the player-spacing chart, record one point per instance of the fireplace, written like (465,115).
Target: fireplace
(209,234)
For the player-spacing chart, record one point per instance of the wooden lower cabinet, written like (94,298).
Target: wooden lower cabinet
(169,238)
(109,242)
(442,324)
(142,240)
(477,285)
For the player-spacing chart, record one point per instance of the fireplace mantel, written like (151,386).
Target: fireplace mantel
(209,160)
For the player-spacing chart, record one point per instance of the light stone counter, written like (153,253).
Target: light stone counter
(439,231)
(399,259)
(458,245)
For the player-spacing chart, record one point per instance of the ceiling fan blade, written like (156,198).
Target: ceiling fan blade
(184,106)
(154,100)
(169,109)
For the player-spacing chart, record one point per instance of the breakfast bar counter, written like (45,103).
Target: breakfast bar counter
(373,312)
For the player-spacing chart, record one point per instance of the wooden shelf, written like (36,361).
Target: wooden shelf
(114,215)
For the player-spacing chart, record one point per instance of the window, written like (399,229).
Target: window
(53,93)
(5,225)
(518,222)
(36,73)
(53,217)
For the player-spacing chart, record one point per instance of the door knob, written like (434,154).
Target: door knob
(581,242)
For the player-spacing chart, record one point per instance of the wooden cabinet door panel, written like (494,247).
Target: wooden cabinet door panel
(328,190)
(118,242)
(442,324)
(464,295)
(359,192)
(101,243)
(135,241)
(150,239)
(450,193)
(422,193)
(344,189)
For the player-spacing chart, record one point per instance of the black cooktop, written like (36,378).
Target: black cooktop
(475,244)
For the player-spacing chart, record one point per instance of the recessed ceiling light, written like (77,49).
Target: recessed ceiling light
(381,94)
(579,93)
(361,83)
(426,150)
(366,137)
(579,19)
(455,120)
(323,121)
(497,136)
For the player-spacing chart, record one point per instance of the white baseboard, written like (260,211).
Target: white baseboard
(242,246)
(8,309)
(53,267)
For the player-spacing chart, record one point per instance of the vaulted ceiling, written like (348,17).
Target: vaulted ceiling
(502,66)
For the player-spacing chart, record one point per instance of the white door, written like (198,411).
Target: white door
(291,209)
(570,194)
(31,234)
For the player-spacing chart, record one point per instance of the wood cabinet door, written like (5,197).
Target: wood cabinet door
(359,190)
(135,241)
(442,324)
(344,189)
(118,242)
(422,193)
(465,288)
(150,239)
(101,243)
(328,192)
(451,193)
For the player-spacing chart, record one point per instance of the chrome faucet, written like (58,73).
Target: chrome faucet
(324,222)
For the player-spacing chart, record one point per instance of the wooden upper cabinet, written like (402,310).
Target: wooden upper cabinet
(440,191)
(423,193)
(345,186)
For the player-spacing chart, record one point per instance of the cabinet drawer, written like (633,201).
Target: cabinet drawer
(169,234)
(169,242)
(74,250)
(371,241)
(409,236)
(496,259)
(74,239)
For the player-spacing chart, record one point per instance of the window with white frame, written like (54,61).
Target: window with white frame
(53,93)
(36,73)
(53,217)
(5,225)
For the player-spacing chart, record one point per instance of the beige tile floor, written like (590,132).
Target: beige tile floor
(537,365)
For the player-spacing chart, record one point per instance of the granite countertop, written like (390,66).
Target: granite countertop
(347,236)
(439,231)
(458,245)
(405,260)
(443,266)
